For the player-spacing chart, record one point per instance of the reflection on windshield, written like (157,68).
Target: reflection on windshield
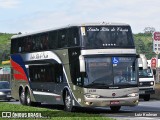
(145,73)
(97,70)
(107,72)
(4,85)
(124,71)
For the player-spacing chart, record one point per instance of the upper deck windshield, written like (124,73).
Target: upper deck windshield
(107,37)
(110,71)
(147,73)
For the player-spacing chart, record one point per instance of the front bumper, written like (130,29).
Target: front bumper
(103,102)
(145,91)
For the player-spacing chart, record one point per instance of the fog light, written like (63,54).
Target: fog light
(136,101)
(88,103)
(133,95)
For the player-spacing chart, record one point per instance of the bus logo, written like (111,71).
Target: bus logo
(115,60)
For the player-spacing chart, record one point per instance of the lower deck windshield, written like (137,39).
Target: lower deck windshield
(110,71)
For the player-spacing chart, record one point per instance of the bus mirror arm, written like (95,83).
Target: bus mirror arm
(82,63)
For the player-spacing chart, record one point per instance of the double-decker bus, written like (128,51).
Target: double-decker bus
(76,65)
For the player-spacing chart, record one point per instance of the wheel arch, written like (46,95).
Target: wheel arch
(28,89)
(64,92)
(21,87)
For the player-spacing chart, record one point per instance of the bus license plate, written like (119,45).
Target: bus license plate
(114,102)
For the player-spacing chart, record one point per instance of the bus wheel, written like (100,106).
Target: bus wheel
(28,98)
(115,108)
(68,102)
(22,97)
(146,97)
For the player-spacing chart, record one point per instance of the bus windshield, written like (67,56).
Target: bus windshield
(109,71)
(107,37)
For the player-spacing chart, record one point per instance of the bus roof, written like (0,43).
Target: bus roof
(73,25)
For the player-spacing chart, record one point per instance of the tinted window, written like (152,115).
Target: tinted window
(108,36)
(43,73)
(53,43)
(46,73)
(62,39)
(77,78)
(73,37)
(14,46)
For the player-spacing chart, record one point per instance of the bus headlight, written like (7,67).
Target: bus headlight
(92,96)
(133,95)
(2,93)
(151,83)
(140,83)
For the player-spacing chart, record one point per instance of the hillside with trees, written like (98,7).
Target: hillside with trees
(5,46)
(143,42)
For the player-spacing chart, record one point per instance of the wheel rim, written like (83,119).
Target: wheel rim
(28,99)
(22,96)
(68,101)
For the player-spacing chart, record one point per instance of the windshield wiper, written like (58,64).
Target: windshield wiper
(96,84)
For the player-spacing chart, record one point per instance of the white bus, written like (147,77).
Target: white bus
(76,65)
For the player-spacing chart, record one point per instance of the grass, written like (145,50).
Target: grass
(54,114)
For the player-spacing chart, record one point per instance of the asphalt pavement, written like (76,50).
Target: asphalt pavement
(146,110)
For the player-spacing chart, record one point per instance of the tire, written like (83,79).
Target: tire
(146,97)
(22,97)
(68,102)
(115,108)
(29,102)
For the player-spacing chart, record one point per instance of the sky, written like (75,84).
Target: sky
(34,15)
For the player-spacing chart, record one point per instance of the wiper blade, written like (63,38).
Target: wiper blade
(96,84)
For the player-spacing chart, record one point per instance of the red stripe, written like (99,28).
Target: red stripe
(21,75)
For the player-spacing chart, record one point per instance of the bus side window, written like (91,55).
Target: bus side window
(73,38)
(62,39)
(76,76)
(53,43)
(44,41)
(14,46)
(20,45)
(59,73)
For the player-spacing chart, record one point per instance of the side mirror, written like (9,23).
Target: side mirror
(82,63)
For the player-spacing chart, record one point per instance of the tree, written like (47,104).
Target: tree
(149,29)
(140,46)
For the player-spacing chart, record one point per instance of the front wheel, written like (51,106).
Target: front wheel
(115,108)
(68,102)
(146,97)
